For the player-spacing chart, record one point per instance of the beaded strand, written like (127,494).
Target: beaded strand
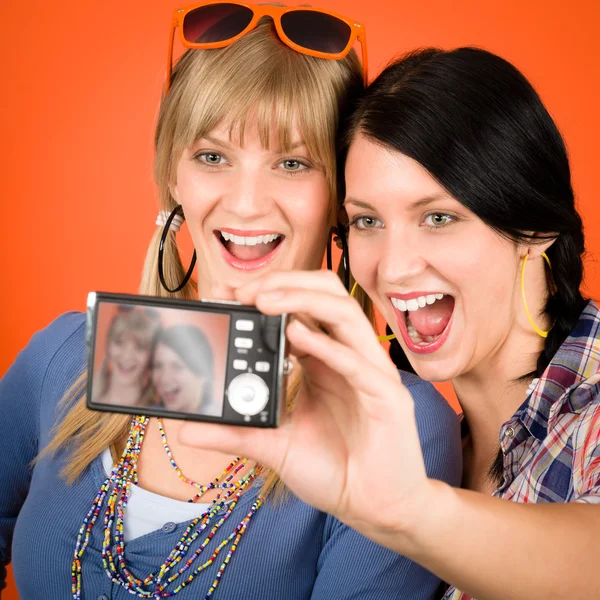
(238,463)
(116,490)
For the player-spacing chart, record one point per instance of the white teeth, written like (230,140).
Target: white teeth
(412,304)
(399,304)
(249,241)
(415,303)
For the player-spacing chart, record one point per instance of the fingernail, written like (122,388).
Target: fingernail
(299,325)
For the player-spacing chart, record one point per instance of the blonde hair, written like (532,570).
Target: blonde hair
(257,78)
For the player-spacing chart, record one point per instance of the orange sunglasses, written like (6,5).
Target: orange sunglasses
(215,24)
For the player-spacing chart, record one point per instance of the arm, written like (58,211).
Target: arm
(518,551)
(354,427)
(21,391)
(495,549)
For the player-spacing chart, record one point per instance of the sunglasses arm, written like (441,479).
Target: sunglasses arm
(363,44)
(170,56)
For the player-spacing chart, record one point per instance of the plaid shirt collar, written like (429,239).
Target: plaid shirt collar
(565,384)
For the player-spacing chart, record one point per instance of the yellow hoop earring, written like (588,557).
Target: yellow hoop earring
(381,338)
(539,331)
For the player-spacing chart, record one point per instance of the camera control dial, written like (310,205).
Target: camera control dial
(248,394)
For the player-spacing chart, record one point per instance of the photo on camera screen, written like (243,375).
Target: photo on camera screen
(170,359)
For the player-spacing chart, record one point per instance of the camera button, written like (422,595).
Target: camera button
(244,325)
(262,367)
(243,343)
(248,394)
(240,365)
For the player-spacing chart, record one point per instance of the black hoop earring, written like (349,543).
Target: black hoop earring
(338,233)
(178,210)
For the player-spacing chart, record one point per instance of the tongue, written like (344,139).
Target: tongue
(250,252)
(433,318)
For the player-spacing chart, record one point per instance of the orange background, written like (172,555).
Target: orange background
(80,89)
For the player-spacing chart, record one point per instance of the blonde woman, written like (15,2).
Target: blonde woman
(245,150)
(125,371)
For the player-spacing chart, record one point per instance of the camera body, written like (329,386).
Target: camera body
(213,361)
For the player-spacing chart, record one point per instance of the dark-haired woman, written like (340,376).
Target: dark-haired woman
(463,231)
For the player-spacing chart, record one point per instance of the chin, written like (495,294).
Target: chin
(435,371)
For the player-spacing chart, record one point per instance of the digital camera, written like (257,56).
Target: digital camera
(215,361)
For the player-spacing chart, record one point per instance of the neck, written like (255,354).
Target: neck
(493,390)
(491,393)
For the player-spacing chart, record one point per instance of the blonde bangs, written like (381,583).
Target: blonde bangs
(135,325)
(261,83)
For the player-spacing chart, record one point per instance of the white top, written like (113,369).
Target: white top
(147,511)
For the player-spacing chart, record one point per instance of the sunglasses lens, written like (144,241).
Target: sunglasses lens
(316,31)
(215,23)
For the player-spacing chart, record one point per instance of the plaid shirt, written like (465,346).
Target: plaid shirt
(551,445)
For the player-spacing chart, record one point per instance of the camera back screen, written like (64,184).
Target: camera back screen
(161,358)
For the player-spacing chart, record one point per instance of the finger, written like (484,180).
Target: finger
(266,446)
(221,291)
(373,384)
(316,280)
(341,316)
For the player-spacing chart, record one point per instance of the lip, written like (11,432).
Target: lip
(412,295)
(247,232)
(416,348)
(247,265)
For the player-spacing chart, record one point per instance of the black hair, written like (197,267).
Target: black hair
(479,128)
(194,349)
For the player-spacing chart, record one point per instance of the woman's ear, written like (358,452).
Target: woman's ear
(174,192)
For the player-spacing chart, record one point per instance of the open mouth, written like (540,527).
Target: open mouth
(249,251)
(169,395)
(125,369)
(424,320)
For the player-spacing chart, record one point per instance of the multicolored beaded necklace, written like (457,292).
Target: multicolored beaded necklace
(117,487)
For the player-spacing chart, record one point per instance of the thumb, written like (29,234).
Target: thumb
(260,444)
(221,291)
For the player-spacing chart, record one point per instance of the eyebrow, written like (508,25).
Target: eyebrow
(228,145)
(414,205)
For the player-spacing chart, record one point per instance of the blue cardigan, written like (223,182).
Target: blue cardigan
(290,551)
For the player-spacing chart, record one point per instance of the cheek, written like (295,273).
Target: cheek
(198,194)
(364,257)
(308,208)
(143,357)
(308,214)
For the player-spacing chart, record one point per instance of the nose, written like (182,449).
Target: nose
(129,348)
(248,196)
(401,258)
